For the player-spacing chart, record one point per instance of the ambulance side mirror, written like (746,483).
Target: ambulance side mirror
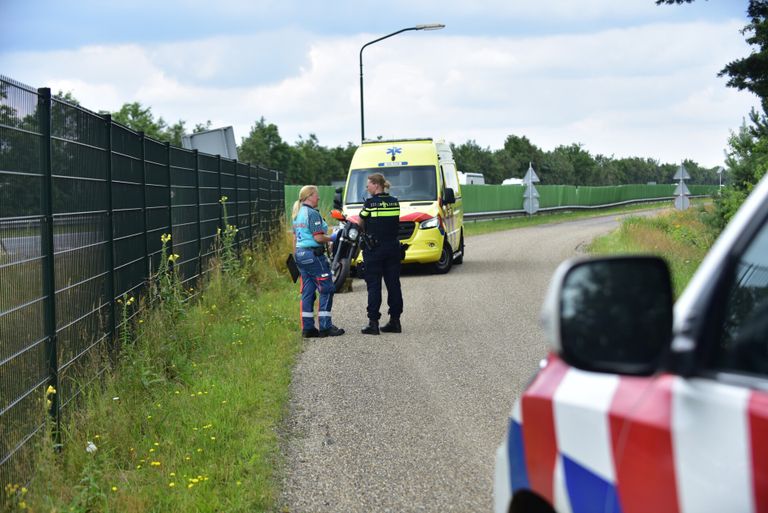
(337,198)
(448,196)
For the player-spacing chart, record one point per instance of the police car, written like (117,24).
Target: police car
(642,407)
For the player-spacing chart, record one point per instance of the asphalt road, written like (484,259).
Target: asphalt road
(410,422)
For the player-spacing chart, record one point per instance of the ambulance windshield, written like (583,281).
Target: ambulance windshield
(409,183)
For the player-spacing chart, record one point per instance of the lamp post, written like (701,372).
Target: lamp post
(430,26)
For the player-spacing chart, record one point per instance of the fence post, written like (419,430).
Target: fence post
(196,156)
(170,200)
(250,204)
(218,177)
(47,249)
(147,261)
(237,212)
(110,240)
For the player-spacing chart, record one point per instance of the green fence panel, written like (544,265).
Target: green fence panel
(496,198)
(491,198)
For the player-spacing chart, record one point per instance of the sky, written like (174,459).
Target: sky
(622,78)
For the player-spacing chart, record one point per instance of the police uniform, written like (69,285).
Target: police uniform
(381,215)
(315,271)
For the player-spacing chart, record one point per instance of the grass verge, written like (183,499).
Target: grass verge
(188,420)
(481,227)
(681,238)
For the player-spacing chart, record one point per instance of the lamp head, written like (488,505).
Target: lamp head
(430,26)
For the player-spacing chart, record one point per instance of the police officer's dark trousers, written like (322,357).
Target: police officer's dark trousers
(383,261)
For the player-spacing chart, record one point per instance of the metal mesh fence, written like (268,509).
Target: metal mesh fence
(83,204)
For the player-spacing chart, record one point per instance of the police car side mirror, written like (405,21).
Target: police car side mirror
(611,314)
(448,196)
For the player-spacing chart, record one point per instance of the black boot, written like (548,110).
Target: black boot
(371,329)
(310,333)
(393,326)
(333,331)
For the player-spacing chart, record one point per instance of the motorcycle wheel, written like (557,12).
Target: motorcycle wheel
(340,273)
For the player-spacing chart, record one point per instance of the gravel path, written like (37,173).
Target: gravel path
(410,422)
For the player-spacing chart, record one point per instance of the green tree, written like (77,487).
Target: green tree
(139,118)
(316,164)
(582,163)
(556,168)
(747,157)
(264,146)
(471,158)
(513,159)
(343,155)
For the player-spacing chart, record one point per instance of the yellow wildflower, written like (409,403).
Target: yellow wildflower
(155,463)
(114,488)
(171,484)
(50,390)
(223,199)
(166,237)
(173,258)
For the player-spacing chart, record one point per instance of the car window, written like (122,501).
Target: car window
(743,344)
(449,173)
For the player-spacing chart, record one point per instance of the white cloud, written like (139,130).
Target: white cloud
(648,91)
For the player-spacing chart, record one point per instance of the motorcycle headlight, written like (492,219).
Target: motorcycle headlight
(430,223)
(353,233)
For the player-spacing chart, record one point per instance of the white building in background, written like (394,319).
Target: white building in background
(471,178)
(513,181)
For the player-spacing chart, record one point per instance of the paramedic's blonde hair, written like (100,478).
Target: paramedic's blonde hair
(304,193)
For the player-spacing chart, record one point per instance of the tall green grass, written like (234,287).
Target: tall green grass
(681,238)
(188,420)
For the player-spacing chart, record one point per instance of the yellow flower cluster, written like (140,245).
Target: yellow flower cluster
(14,490)
(49,392)
(165,238)
(173,257)
(223,200)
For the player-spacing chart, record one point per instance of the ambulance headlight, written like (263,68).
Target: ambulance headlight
(432,222)
(353,233)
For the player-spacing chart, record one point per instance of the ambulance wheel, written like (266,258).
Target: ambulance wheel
(460,259)
(443,265)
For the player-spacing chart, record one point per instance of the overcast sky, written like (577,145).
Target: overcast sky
(622,77)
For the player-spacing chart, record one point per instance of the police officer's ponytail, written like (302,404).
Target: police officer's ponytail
(304,193)
(378,179)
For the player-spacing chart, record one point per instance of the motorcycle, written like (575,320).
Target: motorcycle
(346,247)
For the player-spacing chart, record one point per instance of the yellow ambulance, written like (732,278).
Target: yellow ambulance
(423,176)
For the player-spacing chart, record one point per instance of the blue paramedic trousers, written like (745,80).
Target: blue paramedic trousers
(315,277)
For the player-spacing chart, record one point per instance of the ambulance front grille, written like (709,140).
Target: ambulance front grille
(406,230)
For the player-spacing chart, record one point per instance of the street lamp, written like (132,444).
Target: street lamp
(429,26)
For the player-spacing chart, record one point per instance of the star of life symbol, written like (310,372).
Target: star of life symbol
(394,150)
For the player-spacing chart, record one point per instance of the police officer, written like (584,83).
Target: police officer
(310,231)
(380,218)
